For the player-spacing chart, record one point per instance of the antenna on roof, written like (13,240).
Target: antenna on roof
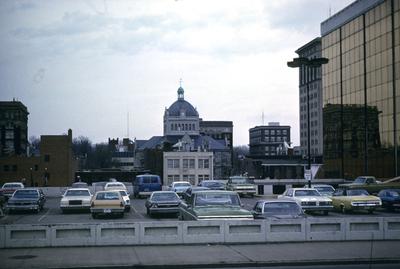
(127,124)
(262,116)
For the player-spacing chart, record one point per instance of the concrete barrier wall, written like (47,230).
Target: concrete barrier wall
(197,232)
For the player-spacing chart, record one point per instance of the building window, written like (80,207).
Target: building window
(47,158)
(36,167)
(272,132)
(204,163)
(6,168)
(14,168)
(188,163)
(173,163)
(190,179)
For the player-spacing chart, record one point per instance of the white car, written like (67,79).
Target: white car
(115,186)
(127,200)
(179,187)
(309,199)
(75,198)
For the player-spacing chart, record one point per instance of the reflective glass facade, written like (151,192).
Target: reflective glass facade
(361,93)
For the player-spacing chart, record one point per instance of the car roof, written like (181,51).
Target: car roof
(19,183)
(181,182)
(303,189)
(163,192)
(215,191)
(78,189)
(321,185)
(277,200)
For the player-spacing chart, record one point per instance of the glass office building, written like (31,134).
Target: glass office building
(361,95)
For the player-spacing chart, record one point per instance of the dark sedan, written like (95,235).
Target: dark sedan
(163,202)
(26,199)
(277,208)
(390,198)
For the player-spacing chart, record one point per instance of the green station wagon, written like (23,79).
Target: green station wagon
(213,205)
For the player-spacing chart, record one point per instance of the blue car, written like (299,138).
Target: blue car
(390,198)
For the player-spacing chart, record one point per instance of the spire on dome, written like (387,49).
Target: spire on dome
(180,91)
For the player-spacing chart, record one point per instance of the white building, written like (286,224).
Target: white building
(192,166)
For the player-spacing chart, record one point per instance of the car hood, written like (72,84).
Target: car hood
(32,200)
(222,212)
(68,198)
(358,198)
(312,198)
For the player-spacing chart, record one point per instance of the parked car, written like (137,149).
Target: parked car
(277,208)
(9,188)
(24,199)
(189,191)
(115,186)
(79,185)
(241,185)
(127,200)
(162,202)
(107,203)
(179,187)
(309,199)
(212,184)
(75,198)
(323,189)
(144,185)
(213,205)
(346,200)
(390,198)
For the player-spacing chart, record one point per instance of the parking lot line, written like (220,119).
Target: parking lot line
(42,217)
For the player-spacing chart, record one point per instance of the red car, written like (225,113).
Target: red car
(9,188)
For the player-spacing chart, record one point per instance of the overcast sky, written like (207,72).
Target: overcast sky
(85,65)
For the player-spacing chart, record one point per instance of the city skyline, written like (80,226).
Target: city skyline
(86,65)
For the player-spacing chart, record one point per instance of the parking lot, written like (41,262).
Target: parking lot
(51,214)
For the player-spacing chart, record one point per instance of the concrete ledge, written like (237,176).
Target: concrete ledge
(163,232)
(117,234)
(288,230)
(244,231)
(325,229)
(27,236)
(73,235)
(364,229)
(391,228)
(195,232)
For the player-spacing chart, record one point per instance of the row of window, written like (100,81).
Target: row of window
(14,168)
(183,127)
(188,163)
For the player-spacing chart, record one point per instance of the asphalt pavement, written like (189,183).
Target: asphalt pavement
(206,256)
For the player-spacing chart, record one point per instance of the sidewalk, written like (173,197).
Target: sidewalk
(203,256)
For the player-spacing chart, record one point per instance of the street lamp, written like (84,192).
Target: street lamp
(309,64)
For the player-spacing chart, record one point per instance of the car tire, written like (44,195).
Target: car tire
(343,209)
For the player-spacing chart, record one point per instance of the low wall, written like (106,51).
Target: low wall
(195,232)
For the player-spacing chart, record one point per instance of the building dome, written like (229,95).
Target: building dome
(181,107)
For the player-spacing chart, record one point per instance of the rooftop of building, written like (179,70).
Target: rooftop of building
(309,45)
(14,104)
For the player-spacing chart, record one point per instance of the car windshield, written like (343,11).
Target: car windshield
(239,180)
(306,193)
(207,199)
(11,186)
(282,208)
(26,194)
(357,193)
(123,193)
(211,184)
(324,189)
(77,193)
(164,197)
(107,196)
(181,184)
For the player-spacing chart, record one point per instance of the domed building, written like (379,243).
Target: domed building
(189,154)
(181,117)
